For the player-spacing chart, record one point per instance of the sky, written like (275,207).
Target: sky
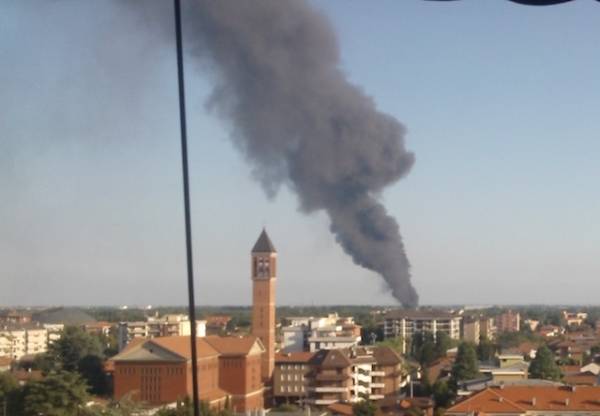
(500,102)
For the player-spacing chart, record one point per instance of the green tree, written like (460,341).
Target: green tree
(466,366)
(442,394)
(77,351)
(393,343)
(10,397)
(58,394)
(91,368)
(45,363)
(364,408)
(443,343)
(543,366)
(486,350)
(73,345)
(426,354)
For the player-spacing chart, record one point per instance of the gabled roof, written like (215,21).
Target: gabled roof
(236,346)
(486,401)
(176,348)
(386,356)
(293,357)
(519,399)
(331,359)
(264,244)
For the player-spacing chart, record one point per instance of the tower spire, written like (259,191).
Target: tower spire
(264,244)
(264,275)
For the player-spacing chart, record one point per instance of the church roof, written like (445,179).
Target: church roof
(264,244)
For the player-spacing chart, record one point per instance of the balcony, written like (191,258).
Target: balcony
(324,402)
(377,373)
(377,385)
(332,377)
(330,389)
(376,396)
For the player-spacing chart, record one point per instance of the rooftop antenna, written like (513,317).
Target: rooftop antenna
(186,203)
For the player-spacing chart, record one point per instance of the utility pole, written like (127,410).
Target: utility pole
(187,209)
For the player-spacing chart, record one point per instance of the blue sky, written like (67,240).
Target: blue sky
(500,102)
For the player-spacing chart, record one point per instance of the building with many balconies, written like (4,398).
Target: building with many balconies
(17,340)
(313,334)
(340,375)
(405,324)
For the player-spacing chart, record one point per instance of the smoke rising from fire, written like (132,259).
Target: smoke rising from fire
(301,123)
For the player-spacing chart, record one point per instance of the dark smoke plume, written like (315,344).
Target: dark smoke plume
(300,122)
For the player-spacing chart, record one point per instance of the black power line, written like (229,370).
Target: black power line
(186,200)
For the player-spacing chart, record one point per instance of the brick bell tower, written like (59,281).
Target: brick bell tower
(264,272)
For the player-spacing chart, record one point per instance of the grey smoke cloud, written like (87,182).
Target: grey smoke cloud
(300,122)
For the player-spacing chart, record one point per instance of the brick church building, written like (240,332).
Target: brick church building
(231,370)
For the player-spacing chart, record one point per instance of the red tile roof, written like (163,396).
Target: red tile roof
(340,409)
(180,345)
(519,399)
(234,345)
(294,357)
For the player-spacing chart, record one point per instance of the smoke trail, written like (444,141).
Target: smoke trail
(300,122)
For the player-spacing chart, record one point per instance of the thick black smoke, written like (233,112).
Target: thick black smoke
(300,122)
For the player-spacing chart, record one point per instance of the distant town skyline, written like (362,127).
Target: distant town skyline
(501,206)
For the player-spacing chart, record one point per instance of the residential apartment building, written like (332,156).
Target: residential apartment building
(14,317)
(154,326)
(333,379)
(509,321)
(406,323)
(315,333)
(574,318)
(54,332)
(16,341)
(487,328)
(530,401)
(334,337)
(292,376)
(471,330)
(340,375)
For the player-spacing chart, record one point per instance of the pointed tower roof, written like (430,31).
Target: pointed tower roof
(264,244)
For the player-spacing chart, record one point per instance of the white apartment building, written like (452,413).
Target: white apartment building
(167,325)
(18,341)
(316,333)
(406,323)
(54,332)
